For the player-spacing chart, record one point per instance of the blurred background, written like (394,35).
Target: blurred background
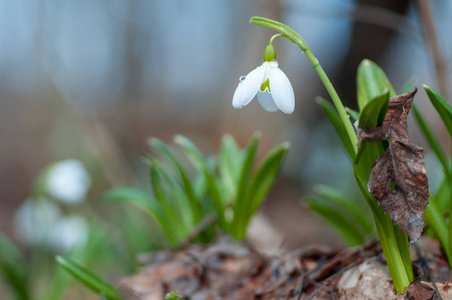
(90,81)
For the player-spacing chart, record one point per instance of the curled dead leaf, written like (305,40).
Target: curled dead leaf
(398,180)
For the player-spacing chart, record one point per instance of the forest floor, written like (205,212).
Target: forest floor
(230,270)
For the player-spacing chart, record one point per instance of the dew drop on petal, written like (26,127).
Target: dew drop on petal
(242,78)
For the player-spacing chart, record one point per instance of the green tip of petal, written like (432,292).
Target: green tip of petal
(270,53)
(266,86)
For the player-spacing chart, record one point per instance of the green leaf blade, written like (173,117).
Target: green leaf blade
(263,180)
(90,280)
(373,113)
(441,105)
(357,213)
(195,204)
(333,116)
(13,268)
(198,159)
(341,224)
(430,137)
(146,202)
(371,81)
(229,164)
(240,202)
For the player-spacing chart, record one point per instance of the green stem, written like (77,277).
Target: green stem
(274,37)
(295,38)
(336,100)
(395,258)
(404,248)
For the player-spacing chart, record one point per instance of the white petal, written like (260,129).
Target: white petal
(282,91)
(68,181)
(35,220)
(266,101)
(247,89)
(69,232)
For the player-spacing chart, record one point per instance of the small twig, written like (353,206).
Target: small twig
(345,294)
(329,278)
(429,271)
(203,225)
(430,36)
(370,14)
(306,276)
(319,288)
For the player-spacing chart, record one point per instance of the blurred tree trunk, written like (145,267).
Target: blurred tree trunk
(368,41)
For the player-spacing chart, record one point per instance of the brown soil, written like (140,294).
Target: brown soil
(231,270)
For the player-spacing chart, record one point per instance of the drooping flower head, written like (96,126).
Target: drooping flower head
(271,85)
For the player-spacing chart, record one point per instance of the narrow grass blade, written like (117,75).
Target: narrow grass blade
(241,200)
(346,228)
(89,279)
(144,201)
(177,196)
(13,268)
(195,205)
(357,213)
(441,105)
(443,194)
(409,85)
(354,115)
(259,186)
(197,158)
(436,220)
(333,116)
(230,159)
(135,196)
(192,151)
(262,181)
(430,137)
(179,218)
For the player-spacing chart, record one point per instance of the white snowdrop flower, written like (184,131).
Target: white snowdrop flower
(68,233)
(35,219)
(271,85)
(68,181)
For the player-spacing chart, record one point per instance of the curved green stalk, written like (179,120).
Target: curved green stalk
(295,38)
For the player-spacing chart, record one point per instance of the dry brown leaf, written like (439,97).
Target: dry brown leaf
(401,166)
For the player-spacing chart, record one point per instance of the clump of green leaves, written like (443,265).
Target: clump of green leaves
(374,90)
(373,94)
(347,216)
(440,201)
(186,191)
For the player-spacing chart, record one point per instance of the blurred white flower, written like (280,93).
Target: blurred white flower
(69,232)
(271,85)
(35,219)
(68,181)
(39,222)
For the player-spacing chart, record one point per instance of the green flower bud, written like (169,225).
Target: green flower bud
(270,53)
